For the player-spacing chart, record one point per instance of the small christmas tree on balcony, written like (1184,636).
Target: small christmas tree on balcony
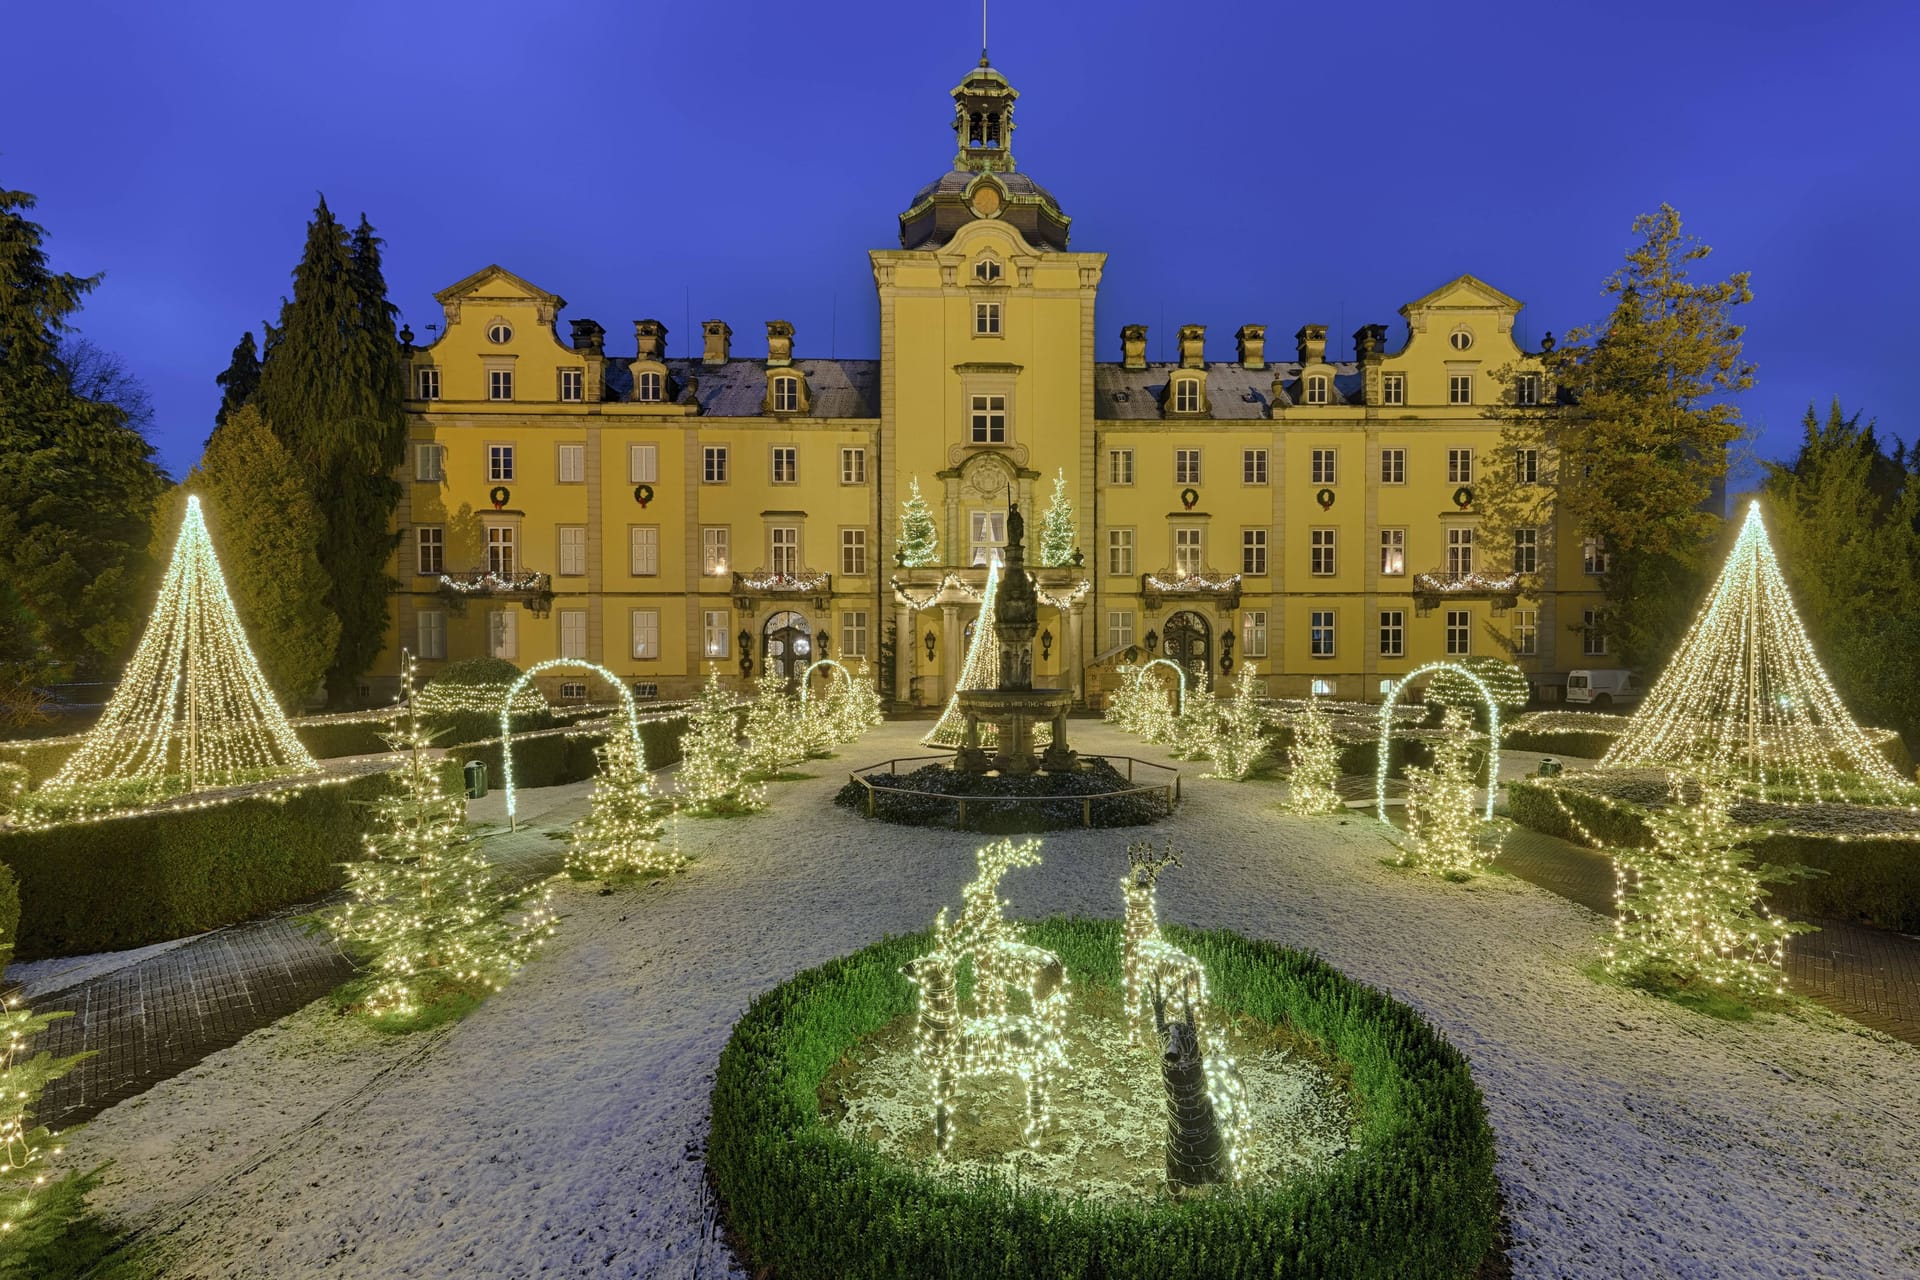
(919,536)
(1056,526)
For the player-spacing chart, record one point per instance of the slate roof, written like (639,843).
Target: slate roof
(737,389)
(954,181)
(1232,390)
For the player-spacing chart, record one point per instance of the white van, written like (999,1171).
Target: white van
(1603,688)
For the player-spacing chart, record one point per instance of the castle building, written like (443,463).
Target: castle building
(663,516)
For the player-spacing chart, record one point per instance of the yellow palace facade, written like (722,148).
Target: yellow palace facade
(661,517)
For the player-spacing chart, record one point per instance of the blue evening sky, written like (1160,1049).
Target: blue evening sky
(1238,162)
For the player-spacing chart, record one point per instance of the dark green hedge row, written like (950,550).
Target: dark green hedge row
(560,758)
(1874,882)
(9,908)
(351,738)
(1363,757)
(41,759)
(127,882)
(1584,746)
(1415,1198)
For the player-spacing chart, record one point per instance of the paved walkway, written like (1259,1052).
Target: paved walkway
(152,1019)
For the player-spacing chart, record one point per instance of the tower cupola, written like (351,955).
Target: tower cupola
(982,185)
(983,120)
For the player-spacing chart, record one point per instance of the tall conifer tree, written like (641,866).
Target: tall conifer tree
(240,382)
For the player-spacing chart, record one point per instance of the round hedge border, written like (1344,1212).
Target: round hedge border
(1415,1197)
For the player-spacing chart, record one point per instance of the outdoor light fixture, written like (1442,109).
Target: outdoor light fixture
(1153,642)
(930,643)
(1046,644)
(823,642)
(746,651)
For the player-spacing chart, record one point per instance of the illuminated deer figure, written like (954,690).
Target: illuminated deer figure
(1148,961)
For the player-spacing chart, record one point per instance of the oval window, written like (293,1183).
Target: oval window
(1461,338)
(500,332)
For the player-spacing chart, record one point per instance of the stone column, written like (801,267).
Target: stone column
(951,644)
(903,649)
(1077,650)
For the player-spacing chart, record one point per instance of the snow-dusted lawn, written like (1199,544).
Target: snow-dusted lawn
(557,1130)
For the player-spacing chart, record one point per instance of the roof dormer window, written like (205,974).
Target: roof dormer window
(650,386)
(786,394)
(1186,395)
(1317,388)
(986,271)
(499,332)
(1461,338)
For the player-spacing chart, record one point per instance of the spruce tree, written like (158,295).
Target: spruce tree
(712,778)
(919,536)
(623,834)
(1056,526)
(77,482)
(240,382)
(1315,757)
(36,1207)
(776,735)
(1239,739)
(1442,819)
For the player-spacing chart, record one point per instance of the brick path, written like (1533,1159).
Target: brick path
(153,1019)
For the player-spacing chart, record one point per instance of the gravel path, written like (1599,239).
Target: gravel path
(558,1129)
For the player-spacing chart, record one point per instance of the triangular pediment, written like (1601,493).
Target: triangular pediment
(1463,291)
(496,282)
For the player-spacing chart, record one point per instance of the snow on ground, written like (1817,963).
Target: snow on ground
(557,1130)
(56,973)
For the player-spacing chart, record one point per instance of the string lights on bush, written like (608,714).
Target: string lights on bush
(1314,756)
(623,834)
(1442,828)
(35,1206)
(1745,697)
(712,778)
(1239,738)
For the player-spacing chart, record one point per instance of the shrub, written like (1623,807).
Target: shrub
(1416,1197)
(9,907)
(326,740)
(1580,745)
(41,760)
(127,882)
(555,759)
(477,685)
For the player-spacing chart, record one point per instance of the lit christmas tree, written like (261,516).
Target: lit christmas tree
(1193,731)
(36,1207)
(1442,823)
(1239,739)
(623,835)
(980,670)
(192,712)
(1315,757)
(858,709)
(1690,908)
(422,911)
(776,726)
(1745,696)
(1056,526)
(919,536)
(712,778)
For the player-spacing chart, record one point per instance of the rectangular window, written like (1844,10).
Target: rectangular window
(1526,632)
(783,548)
(988,536)
(1253,466)
(499,384)
(1119,551)
(573,552)
(1459,552)
(432,627)
(1253,552)
(647,689)
(430,543)
(786,464)
(1189,553)
(1186,395)
(1593,634)
(1119,466)
(503,633)
(650,386)
(1594,560)
(1526,390)
(986,319)
(1459,388)
(500,546)
(1459,466)
(573,690)
(499,463)
(786,395)
(572,463)
(1321,468)
(1119,629)
(1323,687)
(713,550)
(643,550)
(1459,631)
(1526,466)
(1320,552)
(1526,550)
(1253,633)
(1317,389)
(853,466)
(713,464)
(644,625)
(987,419)
(1393,552)
(853,552)
(427,384)
(643,463)
(573,633)
(1393,466)
(853,634)
(1393,388)
(1186,466)
(1393,633)
(430,463)
(573,385)
(715,642)
(1320,633)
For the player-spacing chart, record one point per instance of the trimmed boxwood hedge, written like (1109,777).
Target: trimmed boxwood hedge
(556,759)
(1581,746)
(127,882)
(41,759)
(1416,1197)
(9,906)
(1873,882)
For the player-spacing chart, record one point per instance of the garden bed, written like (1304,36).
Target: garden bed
(1093,794)
(1412,1194)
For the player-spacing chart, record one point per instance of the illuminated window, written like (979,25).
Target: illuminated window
(1253,633)
(783,547)
(500,548)
(713,549)
(715,641)
(1189,552)
(988,536)
(645,625)
(1393,552)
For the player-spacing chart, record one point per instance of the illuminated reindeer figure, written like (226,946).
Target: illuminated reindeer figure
(1148,961)
(995,1037)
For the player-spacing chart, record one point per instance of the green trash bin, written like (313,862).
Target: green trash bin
(476,779)
(1549,768)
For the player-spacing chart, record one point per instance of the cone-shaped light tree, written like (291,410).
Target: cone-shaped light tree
(980,670)
(1745,697)
(192,710)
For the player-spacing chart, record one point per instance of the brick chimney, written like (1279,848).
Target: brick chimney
(1133,346)
(1312,343)
(650,339)
(1193,346)
(1252,342)
(719,340)
(589,338)
(779,342)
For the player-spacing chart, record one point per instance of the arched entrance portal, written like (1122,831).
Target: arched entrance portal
(787,643)
(1188,641)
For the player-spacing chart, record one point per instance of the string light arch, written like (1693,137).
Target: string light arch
(1386,733)
(806,677)
(506,717)
(1179,676)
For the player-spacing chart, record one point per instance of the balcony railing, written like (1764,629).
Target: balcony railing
(534,590)
(1454,582)
(783,582)
(1182,583)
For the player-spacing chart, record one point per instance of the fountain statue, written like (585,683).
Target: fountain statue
(1014,706)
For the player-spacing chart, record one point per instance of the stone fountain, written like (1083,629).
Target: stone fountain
(1015,706)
